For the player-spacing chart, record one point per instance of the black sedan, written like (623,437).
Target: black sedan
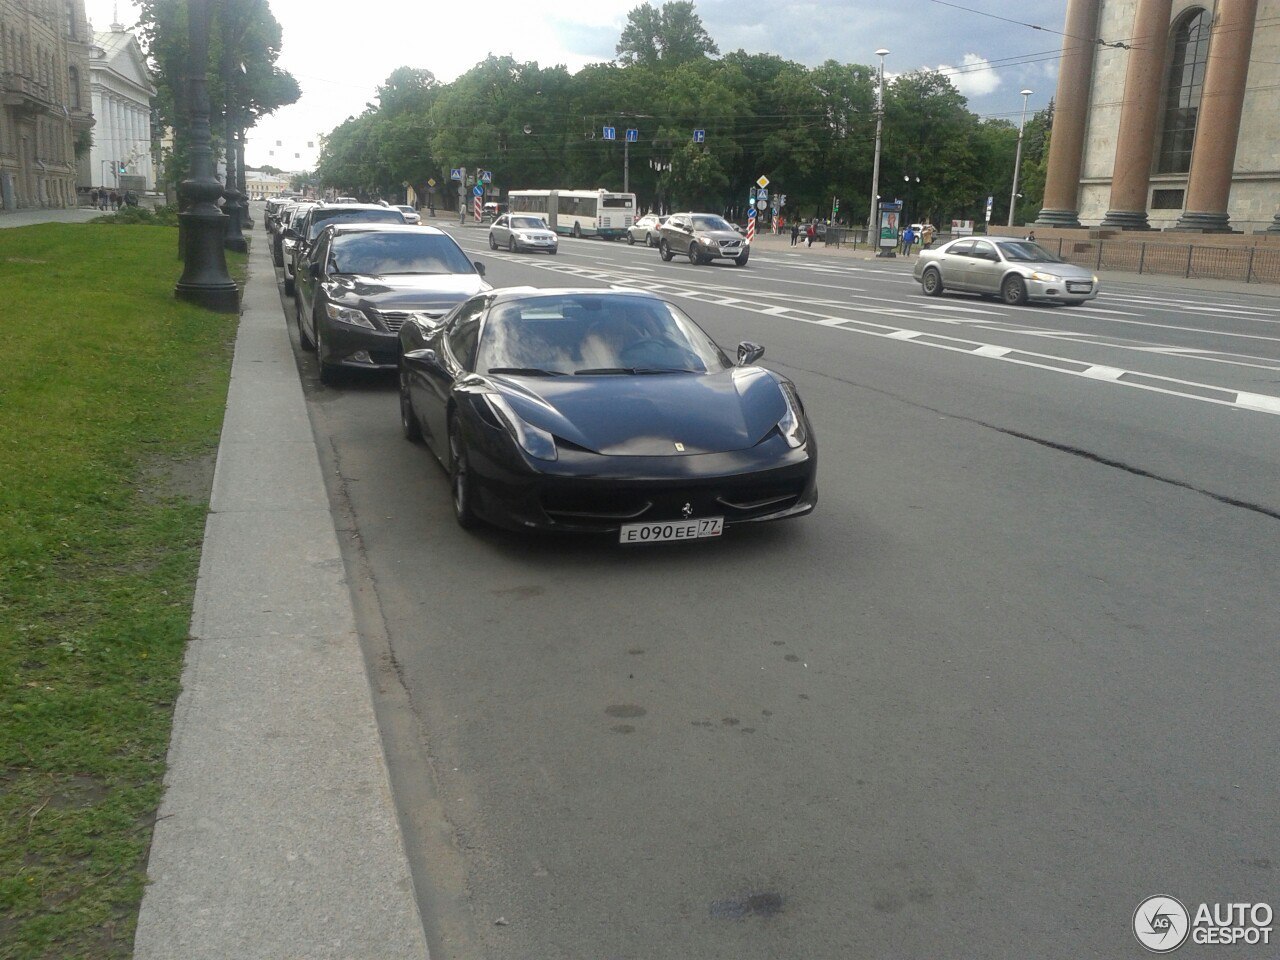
(602,411)
(366,280)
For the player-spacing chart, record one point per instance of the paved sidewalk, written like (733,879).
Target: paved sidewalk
(277,836)
(25,218)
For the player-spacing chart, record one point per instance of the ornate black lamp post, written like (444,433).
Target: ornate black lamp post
(234,206)
(205,280)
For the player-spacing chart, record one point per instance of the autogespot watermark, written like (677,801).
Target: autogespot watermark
(1162,924)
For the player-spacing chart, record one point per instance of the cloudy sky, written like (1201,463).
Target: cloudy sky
(339,59)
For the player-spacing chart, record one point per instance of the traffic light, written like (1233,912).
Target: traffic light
(120,168)
(836,208)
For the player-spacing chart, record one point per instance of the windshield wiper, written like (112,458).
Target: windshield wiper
(528,371)
(596,371)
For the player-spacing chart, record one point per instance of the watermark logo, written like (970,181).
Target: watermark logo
(1161,924)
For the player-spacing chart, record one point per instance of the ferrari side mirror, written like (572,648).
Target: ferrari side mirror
(749,353)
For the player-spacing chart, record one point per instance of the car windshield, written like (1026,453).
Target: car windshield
(709,221)
(385,253)
(324,218)
(587,334)
(527,223)
(1027,251)
(405,208)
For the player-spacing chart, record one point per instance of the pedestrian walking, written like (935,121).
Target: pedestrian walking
(1031,235)
(795,234)
(908,238)
(93,197)
(926,235)
(809,233)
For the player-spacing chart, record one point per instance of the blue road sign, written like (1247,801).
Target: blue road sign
(455,174)
(486,176)
(477,190)
(699,136)
(751,214)
(633,135)
(611,133)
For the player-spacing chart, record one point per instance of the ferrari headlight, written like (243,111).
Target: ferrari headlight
(1045,277)
(348,315)
(791,426)
(533,440)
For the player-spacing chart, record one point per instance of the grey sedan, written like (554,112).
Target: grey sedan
(1016,271)
(645,230)
(520,231)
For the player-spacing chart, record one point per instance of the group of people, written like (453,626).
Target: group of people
(104,199)
(810,234)
(910,238)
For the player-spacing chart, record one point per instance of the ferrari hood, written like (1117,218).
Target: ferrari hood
(648,415)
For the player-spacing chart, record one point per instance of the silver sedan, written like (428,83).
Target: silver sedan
(522,231)
(1016,271)
(646,230)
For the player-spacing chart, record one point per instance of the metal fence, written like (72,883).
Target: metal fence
(1250,264)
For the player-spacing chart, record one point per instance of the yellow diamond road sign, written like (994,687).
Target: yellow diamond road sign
(762,182)
(431,182)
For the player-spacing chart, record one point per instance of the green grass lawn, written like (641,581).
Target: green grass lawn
(111,403)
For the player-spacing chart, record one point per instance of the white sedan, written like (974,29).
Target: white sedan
(410,214)
(646,230)
(522,231)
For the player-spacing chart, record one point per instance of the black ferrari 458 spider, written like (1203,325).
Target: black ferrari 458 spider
(604,411)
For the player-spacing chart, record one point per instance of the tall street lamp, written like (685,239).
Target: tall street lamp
(874,220)
(205,281)
(1017,160)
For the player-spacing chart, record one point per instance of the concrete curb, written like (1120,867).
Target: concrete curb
(277,835)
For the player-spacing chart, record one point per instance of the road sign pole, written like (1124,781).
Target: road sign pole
(626,165)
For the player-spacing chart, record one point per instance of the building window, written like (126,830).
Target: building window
(73,80)
(71,20)
(1183,90)
(1167,199)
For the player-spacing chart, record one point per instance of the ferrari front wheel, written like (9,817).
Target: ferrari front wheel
(460,477)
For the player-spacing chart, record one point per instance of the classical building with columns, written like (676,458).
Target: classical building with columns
(44,100)
(1166,117)
(122,90)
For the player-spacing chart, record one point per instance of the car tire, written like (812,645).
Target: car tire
(693,254)
(577,232)
(459,477)
(554,251)
(1013,291)
(409,424)
(304,338)
(511,245)
(327,373)
(277,254)
(493,244)
(664,251)
(649,241)
(931,282)
(631,241)
(289,287)
(741,261)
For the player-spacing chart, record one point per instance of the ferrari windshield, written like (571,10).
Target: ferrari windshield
(1027,251)
(388,253)
(588,334)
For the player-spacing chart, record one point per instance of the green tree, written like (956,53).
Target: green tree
(671,35)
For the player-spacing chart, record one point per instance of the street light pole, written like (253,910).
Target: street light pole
(873,219)
(626,164)
(1017,161)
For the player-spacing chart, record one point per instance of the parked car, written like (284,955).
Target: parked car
(645,230)
(366,280)
(410,214)
(522,231)
(1017,271)
(315,218)
(492,210)
(606,411)
(702,237)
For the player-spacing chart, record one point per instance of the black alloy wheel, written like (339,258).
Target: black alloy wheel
(664,251)
(493,244)
(327,372)
(1013,291)
(577,232)
(741,261)
(408,418)
(931,282)
(693,254)
(459,476)
(631,240)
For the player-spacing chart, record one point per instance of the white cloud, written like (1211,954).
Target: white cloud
(975,76)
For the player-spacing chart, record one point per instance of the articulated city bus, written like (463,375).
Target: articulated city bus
(579,213)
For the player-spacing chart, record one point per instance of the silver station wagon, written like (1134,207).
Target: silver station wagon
(1016,271)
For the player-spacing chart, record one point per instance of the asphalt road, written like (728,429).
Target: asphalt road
(1015,674)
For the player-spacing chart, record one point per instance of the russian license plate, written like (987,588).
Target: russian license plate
(673,530)
(1079,287)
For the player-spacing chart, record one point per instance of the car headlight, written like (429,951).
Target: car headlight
(1095,279)
(533,440)
(348,315)
(1045,277)
(791,426)
(707,240)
